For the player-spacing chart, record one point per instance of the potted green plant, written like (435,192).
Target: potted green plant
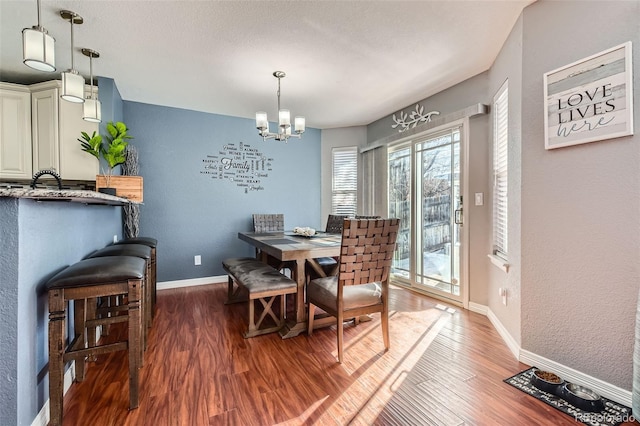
(111,148)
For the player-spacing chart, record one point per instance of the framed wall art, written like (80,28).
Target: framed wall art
(589,100)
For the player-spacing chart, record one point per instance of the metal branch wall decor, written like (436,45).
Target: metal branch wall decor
(241,164)
(406,121)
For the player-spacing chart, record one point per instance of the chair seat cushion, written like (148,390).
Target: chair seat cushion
(324,291)
(136,250)
(99,270)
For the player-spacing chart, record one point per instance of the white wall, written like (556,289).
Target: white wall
(580,205)
(574,240)
(335,138)
(508,67)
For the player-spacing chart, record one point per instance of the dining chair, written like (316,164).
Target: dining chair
(273,222)
(268,222)
(362,284)
(334,223)
(328,264)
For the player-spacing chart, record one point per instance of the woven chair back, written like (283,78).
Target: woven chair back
(268,223)
(367,250)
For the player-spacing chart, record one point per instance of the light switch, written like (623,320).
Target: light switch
(479,198)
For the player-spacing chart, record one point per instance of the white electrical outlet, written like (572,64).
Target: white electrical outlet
(197,260)
(479,198)
(115,239)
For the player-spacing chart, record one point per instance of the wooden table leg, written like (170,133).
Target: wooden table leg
(291,328)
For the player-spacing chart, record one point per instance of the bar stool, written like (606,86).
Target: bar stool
(153,243)
(86,280)
(143,252)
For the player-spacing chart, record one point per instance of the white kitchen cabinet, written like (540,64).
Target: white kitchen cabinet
(44,122)
(56,125)
(15,132)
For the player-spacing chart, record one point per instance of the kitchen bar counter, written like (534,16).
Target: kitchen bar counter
(69,195)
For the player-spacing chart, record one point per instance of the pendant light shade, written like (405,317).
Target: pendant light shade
(92,106)
(72,86)
(37,47)
(72,82)
(92,110)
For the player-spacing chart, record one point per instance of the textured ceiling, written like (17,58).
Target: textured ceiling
(347,62)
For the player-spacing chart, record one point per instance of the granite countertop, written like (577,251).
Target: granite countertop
(70,195)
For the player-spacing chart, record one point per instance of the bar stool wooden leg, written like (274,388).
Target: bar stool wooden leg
(91,313)
(135,328)
(79,321)
(153,282)
(56,353)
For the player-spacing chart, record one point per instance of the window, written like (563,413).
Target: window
(344,181)
(500,170)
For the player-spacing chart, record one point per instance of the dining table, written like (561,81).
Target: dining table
(300,251)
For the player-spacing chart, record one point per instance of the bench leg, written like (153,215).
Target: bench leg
(252,324)
(235,293)
(267,303)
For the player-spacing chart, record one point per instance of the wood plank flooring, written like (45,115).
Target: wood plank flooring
(445,367)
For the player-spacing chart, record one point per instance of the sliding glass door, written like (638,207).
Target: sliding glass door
(425,192)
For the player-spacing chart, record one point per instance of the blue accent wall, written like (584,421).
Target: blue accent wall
(188,211)
(111,101)
(37,239)
(8,310)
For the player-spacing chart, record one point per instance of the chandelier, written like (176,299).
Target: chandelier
(284,120)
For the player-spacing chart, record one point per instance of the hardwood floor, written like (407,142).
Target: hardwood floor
(445,367)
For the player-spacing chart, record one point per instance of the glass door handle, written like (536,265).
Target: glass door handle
(458,217)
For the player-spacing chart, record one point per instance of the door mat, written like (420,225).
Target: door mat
(613,413)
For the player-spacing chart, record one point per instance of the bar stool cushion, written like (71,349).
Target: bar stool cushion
(100,270)
(137,250)
(147,241)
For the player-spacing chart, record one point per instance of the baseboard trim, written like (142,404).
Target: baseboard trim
(42,419)
(513,346)
(478,308)
(605,389)
(165,285)
(614,393)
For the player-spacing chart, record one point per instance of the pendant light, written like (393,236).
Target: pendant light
(72,82)
(284,120)
(37,47)
(92,106)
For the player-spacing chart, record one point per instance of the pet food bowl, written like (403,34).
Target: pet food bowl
(581,397)
(546,381)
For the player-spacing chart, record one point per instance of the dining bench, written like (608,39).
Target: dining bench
(251,279)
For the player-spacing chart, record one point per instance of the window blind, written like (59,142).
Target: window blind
(344,181)
(500,170)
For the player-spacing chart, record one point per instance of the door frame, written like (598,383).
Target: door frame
(463,124)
